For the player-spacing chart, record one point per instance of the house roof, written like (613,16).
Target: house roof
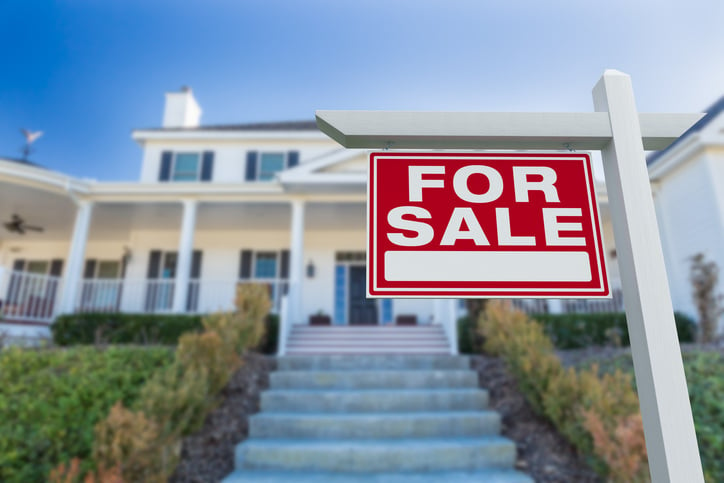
(258,126)
(21,161)
(712,112)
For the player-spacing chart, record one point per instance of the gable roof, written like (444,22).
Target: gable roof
(257,126)
(712,112)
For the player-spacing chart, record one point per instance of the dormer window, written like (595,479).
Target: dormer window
(186,166)
(264,166)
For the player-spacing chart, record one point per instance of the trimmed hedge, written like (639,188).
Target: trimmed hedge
(142,329)
(576,331)
(122,328)
(51,399)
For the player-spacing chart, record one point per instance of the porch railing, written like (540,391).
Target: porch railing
(156,295)
(572,306)
(29,296)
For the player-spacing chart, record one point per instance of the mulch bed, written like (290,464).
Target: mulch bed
(208,455)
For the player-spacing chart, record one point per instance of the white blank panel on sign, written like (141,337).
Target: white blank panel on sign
(466,266)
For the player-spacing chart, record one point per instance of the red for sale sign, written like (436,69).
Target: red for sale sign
(483,225)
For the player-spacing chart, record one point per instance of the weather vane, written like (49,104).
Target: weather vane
(30,137)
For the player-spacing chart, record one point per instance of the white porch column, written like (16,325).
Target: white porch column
(76,256)
(296,263)
(185,251)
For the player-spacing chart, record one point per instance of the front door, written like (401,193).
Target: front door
(362,311)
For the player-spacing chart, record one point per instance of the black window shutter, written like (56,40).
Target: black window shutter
(251,160)
(292,159)
(284,265)
(154,264)
(90,268)
(245,265)
(56,267)
(196,264)
(165,172)
(207,165)
(18,265)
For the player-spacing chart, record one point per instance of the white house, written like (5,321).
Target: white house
(274,202)
(687,181)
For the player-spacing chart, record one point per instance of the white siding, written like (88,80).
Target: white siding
(229,157)
(689,222)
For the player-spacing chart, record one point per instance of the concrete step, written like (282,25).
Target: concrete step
(372,362)
(366,350)
(438,424)
(349,455)
(368,329)
(381,341)
(486,476)
(378,400)
(393,379)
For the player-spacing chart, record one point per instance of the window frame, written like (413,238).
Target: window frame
(199,162)
(97,271)
(277,264)
(285,156)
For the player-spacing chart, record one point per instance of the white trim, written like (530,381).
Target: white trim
(335,157)
(141,136)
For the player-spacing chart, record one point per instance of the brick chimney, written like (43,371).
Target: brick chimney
(181,109)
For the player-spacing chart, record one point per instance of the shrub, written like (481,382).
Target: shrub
(206,351)
(524,346)
(705,379)
(575,331)
(129,442)
(51,399)
(621,445)
(269,344)
(245,327)
(595,413)
(120,328)
(704,277)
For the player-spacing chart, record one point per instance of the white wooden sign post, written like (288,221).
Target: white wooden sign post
(621,134)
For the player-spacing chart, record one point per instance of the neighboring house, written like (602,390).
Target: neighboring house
(278,203)
(687,180)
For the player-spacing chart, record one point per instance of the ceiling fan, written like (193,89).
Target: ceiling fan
(17,225)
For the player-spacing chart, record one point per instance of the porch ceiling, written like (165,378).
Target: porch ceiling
(54,212)
(336,216)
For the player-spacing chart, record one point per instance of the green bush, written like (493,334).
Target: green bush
(51,399)
(705,379)
(121,328)
(271,335)
(575,331)
(466,335)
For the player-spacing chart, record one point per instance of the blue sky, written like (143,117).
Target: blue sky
(88,72)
